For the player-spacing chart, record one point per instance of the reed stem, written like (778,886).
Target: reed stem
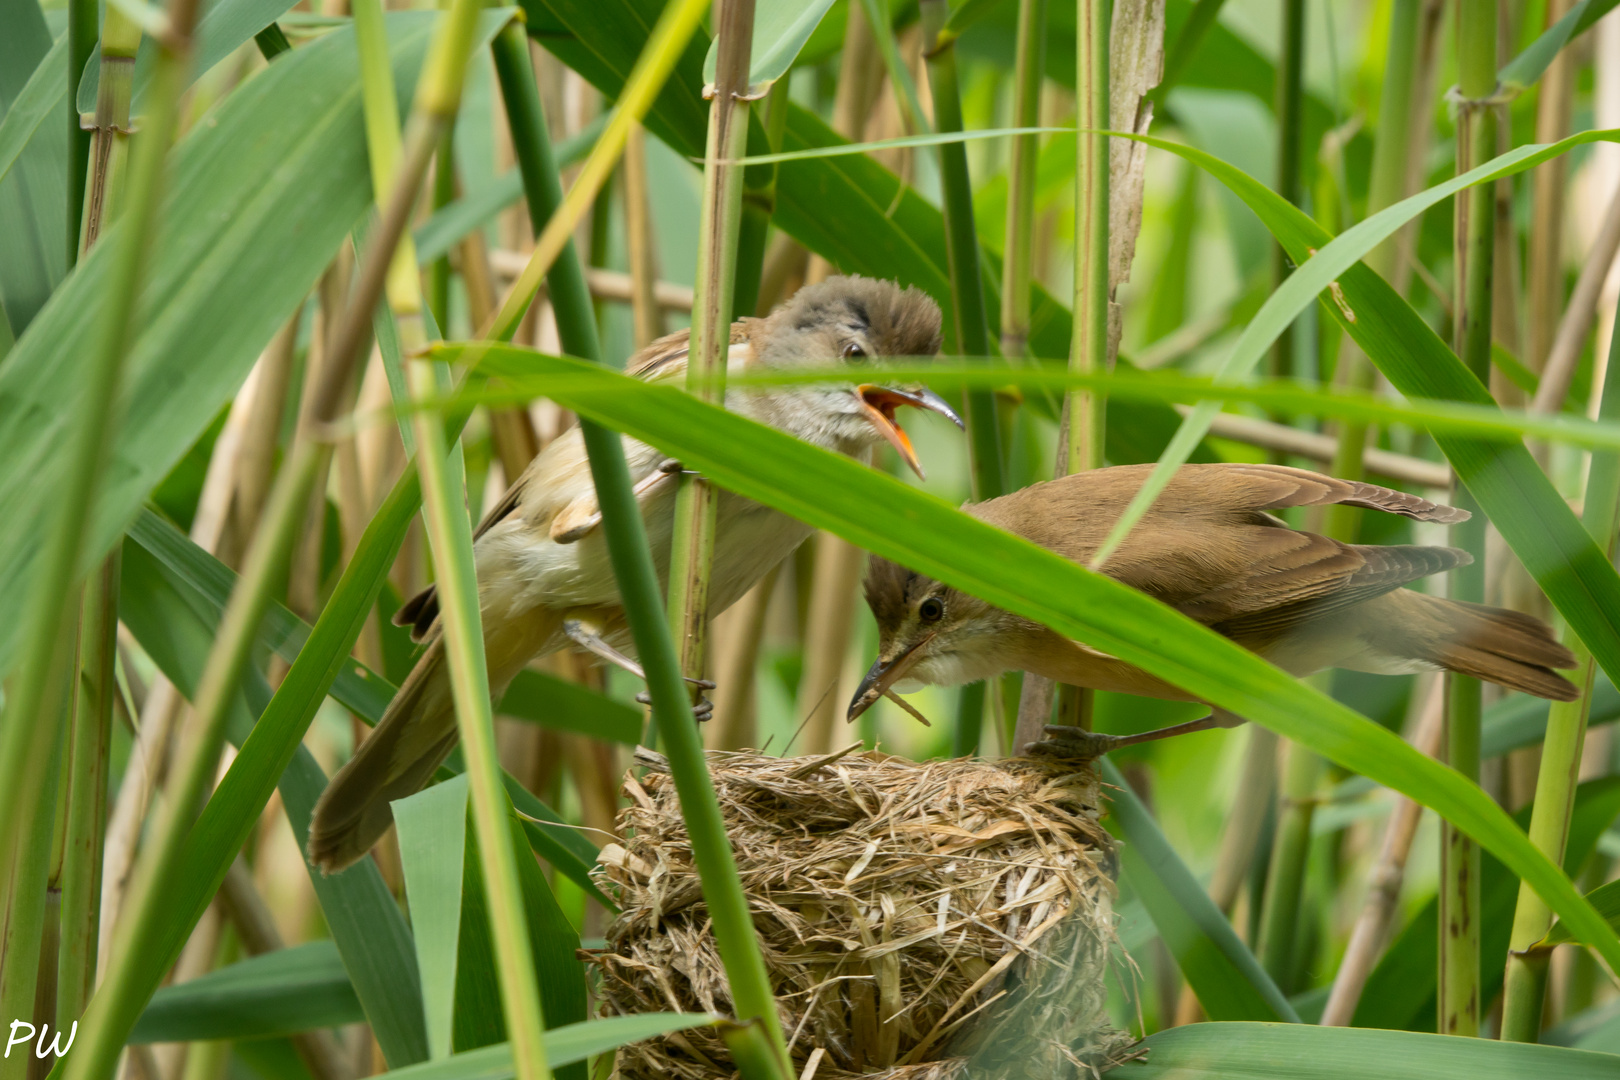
(1459,976)
(622,527)
(1085,432)
(35,704)
(1285,882)
(664,47)
(444,193)
(1525,986)
(1018,260)
(83,30)
(109,149)
(969,319)
(1387,186)
(1289,108)
(24,909)
(646,316)
(88,746)
(691,554)
(542,191)
(450,533)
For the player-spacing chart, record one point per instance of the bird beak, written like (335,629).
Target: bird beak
(882,675)
(879,404)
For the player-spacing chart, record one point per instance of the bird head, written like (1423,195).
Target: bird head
(930,634)
(847,323)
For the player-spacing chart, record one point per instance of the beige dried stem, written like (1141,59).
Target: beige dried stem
(304,579)
(646,315)
(163,705)
(834,584)
(256,458)
(1573,328)
(738,634)
(1136,64)
(838,563)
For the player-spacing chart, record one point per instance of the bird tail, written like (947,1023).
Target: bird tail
(1509,648)
(395,761)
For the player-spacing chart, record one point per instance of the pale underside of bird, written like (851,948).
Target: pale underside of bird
(1212,548)
(544,576)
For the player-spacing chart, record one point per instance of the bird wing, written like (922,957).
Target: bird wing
(1211,548)
(1383,569)
(664,359)
(576,518)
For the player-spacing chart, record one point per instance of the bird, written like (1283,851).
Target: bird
(1212,548)
(544,577)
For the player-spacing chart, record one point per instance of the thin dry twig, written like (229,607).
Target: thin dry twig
(1565,352)
(1383,887)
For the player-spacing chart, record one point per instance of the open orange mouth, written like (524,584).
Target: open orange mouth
(879,404)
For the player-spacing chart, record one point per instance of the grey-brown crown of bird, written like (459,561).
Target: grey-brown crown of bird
(1212,548)
(544,579)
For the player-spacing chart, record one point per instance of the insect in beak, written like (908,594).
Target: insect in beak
(882,675)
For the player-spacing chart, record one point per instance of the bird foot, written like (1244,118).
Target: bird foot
(701,711)
(1066,743)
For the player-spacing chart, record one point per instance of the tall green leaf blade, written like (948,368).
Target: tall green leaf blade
(39,97)
(568,706)
(564,1046)
(284,157)
(33,210)
(301,988)
(207,584)
(1524,70)
(554,943)
(432,830)
(1229,981)
(1606,898)
(1300,1052)
(364,919)
(365,922)
(887,517)
(781,27)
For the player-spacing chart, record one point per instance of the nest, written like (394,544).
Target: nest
(919,920)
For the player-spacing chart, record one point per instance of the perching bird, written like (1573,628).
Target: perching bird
(544,577)
(1211,548)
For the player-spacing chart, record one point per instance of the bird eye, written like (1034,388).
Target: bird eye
(852,351)
(931,609)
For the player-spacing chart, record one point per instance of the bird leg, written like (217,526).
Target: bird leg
(589,637)
(1077,744)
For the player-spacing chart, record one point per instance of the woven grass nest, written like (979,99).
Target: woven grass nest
(920,920)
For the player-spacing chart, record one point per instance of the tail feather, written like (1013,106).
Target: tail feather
(1512,649)
(396,760)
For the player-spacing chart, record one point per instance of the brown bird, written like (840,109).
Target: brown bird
(1211,548)
(544,578)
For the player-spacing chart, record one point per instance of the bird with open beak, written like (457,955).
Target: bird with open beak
(544,577)
(1212,548)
